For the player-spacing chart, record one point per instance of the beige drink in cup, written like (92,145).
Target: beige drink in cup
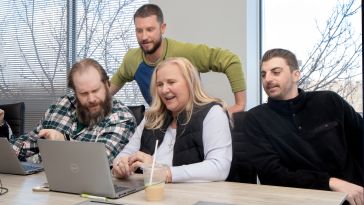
(154,187)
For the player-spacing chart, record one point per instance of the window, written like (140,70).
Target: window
(326,37)
(39,40)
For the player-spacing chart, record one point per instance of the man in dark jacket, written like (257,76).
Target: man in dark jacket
(304,139)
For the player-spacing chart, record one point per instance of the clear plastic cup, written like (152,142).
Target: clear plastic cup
(154,187)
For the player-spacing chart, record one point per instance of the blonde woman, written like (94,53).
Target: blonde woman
(192,129)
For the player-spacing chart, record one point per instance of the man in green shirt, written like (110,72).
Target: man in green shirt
(138,63)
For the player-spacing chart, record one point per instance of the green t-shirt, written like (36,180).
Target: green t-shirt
(204,58)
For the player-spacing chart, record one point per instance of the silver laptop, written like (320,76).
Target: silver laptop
(82,168)
(10,164)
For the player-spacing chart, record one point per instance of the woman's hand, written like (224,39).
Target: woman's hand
(121,167)
(137,159)
(126,166)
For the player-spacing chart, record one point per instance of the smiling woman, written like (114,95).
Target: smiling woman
(172,88)
(181,110)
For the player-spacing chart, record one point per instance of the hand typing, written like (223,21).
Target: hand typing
(51,134)
(126,166)
(121,167)
(137,159)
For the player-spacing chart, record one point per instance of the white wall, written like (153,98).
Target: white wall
(216,23)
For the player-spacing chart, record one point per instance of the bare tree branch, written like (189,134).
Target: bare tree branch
(335,60)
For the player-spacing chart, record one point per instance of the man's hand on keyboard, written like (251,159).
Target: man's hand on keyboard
(51,134)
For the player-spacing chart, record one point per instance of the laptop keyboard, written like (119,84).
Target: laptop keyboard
(29,167)
(120,188)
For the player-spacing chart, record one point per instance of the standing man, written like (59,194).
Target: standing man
(90,114)
(304,139)
(139,63)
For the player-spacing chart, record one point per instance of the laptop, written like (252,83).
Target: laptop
(83,168)
(10,164)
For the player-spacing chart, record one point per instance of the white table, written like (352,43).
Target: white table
(20,192)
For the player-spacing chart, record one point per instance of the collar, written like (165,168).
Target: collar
(181,119)
(287,107)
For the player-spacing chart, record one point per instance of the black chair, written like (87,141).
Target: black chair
(138,112)
(14,115)
(242,170)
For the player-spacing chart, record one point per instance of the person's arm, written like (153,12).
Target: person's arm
(217,151)
(117,133)
(55,120)
(121,168)
(206,59)
(52,134)
(268,163)
(355,193)
(114,88)
(134,142)
(26,145)
(353,124)
(240,101)
(125,72)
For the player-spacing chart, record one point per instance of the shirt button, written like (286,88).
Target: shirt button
(299,127)
(294,115)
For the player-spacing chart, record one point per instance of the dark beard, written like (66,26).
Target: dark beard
(92,119)
(154,49)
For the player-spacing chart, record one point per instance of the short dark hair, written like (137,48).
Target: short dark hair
(83,65)
(282,53)
(148,10)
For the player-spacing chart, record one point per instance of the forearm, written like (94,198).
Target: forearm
(114,88)
(281,176)
(134,142)
(220,60)
(353,123)
(125,72)
(114,143)
(25,145)
(197,172)
(217,151)
(354,193)
(215,167)
(272,171)
(240,102)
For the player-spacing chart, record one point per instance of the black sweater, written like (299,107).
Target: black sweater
(304,141)
(4,130)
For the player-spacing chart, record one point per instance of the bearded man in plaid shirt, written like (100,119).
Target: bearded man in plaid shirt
(90,115)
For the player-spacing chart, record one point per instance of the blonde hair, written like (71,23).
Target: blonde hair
(157,113)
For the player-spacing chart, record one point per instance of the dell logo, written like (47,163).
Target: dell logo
(74,168)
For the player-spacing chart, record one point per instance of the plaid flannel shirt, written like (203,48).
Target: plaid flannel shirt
(114,130)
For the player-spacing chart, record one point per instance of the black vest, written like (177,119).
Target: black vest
(188,148)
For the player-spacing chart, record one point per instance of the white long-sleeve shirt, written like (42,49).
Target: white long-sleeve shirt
(216,138)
